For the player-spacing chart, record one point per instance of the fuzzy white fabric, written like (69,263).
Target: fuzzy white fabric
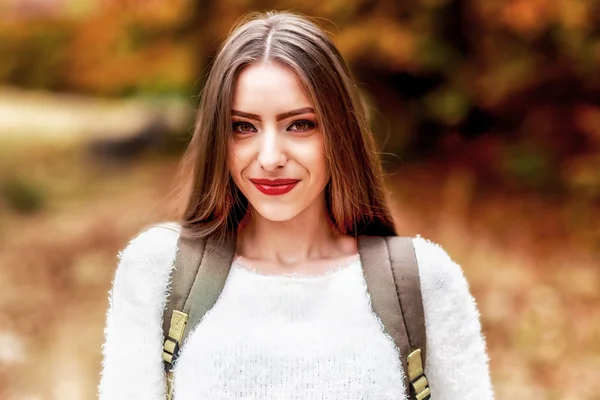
(286,337)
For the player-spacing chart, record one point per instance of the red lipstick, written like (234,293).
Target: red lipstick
(274,187)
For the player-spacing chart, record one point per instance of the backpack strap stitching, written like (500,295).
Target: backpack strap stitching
(186,304)
(408,288)
(406,345)
(376,260)
(387,243)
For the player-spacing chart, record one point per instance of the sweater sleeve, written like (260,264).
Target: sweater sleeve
(457,361)
(132,366)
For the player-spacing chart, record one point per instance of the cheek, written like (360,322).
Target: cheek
(234,163)
(312,157)
(236,153)
(320,161)
(324,170)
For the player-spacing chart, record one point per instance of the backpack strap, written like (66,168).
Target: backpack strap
(198,277)
(390,270)
(392,276)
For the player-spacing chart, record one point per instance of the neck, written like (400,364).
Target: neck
(308,236)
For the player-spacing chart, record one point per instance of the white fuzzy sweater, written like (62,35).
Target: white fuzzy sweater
(286,336)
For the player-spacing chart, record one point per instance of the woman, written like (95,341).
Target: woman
(282,158)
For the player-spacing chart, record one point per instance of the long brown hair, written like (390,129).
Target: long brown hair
(355,196)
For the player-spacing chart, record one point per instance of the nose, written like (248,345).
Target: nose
(271,153)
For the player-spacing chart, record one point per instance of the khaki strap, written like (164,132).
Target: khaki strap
(187,261)
(392,276)
(408,287)
(416,374)
(210,280)
(199,274)
(390,270)
(171,347)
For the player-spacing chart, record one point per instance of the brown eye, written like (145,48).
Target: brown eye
(302,126)
(242,127)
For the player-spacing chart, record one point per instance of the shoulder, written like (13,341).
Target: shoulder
(437,270)
(132,366)
(145,263)
(456,349)
(153,241)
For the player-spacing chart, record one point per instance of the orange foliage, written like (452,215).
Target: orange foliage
(382,40)
(103,57)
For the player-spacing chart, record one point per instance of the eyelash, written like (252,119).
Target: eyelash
(310,126)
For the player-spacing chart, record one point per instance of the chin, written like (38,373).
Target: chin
(277,213)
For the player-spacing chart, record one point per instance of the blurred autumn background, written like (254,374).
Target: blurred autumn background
(488,117)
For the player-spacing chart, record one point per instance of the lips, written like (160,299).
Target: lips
(273,187)
(274,182)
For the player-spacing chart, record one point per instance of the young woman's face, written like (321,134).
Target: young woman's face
(275,135)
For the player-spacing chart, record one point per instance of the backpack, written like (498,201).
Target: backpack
(390,270)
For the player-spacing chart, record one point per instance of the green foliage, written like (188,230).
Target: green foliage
(447,105)
(528,165)
(434,54)
(22,195)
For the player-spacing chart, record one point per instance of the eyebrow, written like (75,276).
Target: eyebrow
(278,117)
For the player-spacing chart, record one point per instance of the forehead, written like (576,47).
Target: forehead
(265,88)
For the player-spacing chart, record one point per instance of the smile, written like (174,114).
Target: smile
(274,189)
